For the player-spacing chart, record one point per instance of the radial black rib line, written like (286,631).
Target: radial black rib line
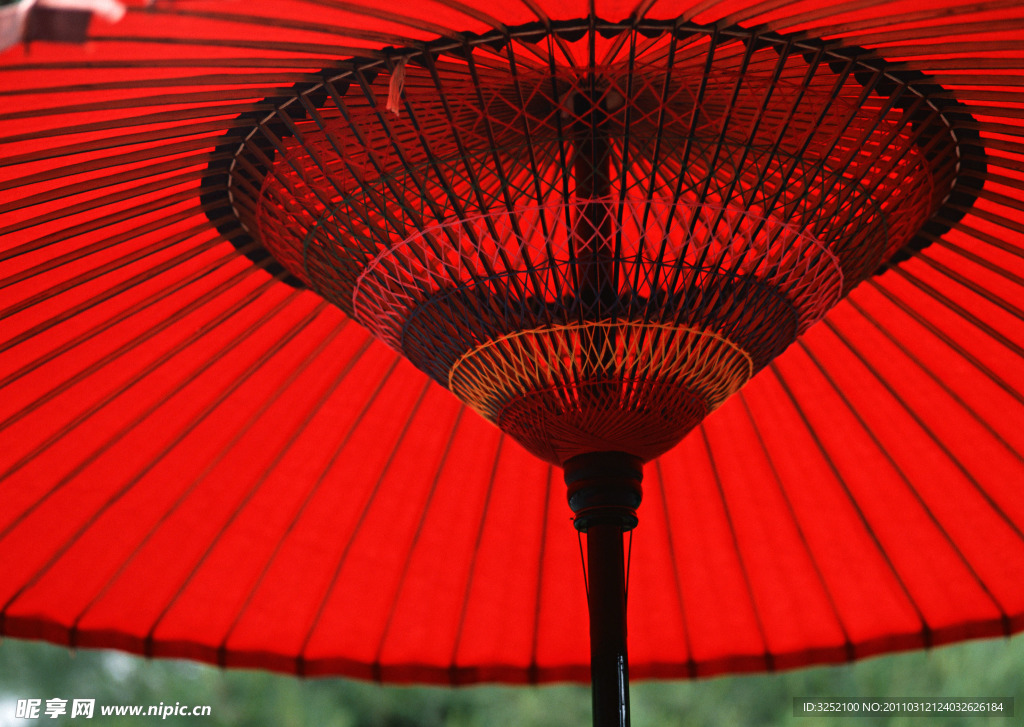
(919,15)
(985,238)
(702,195)
(309,49)
(300,658)
(533,669)
(981,261)
(186,64)
(110,180)
(976,27)
(77,254)
(938,380)
(397,195)
(313,488)
(950,342)
(880,446)
(91,410)
(161,205)
(376,664)
(713,44)
(319,27)
(391,16)
(1012,224)
(656,156)
(535,173)
(121,142)
(114,265)
(381,206)
(164,154)
(848,645)
(769,658)
(124,195)
(246,103)
(124,489)
(99,298)
(134,310)
(948,302)
(253,419)
(199,80)
(931,432)
(503,181)
(247,496)
(691,663)
(453,668)
(434,162)
(925,628)
(210,102)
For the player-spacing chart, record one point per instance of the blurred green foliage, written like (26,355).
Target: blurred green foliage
(984,669)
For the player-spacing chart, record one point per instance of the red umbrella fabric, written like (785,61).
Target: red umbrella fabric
(201,460)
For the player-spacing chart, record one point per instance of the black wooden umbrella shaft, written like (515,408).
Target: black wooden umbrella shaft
(604,492)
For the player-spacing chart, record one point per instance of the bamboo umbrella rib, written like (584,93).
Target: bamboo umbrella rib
(981,325)
(120,142)
(769,658)
(1002,272)
(72,256)
(113,245)
(76,421)
(485,512)
(131,193)
(314,487)
(230,283)
(283,76)
(1008,223)
(929,431)
(309,49)
(925,629)
(102,296)
(983,292)
(935,378)
(156,120)
(121,159)
(116,264)
(266,357)
(904,23)
(194,100)
(364,507)
(984,238)
(275,396)
(375,664)
(848,646)
(880,40)
(127,486)
(1002,162)
(280,65)
(1004,180)
(122,177)
(159,205)
(319,28)
(880,446)
(133,310)
(690,662)
(949,341)
(390,15)
(533,669)
(1001,199)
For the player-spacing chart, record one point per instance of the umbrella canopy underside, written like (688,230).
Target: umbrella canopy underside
(199,459)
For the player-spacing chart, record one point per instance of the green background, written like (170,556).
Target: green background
(989,669)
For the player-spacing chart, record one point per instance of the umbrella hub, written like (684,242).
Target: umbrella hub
(591,239)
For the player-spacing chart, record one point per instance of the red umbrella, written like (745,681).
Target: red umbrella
(593,225)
